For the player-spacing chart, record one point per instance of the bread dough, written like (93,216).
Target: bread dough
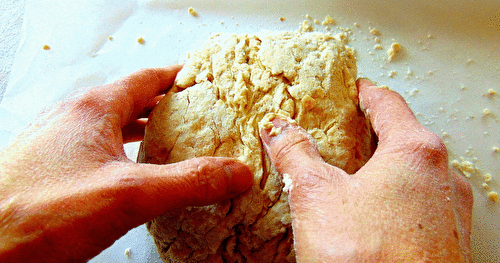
(214,109)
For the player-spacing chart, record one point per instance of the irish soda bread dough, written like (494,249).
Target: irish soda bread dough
(214,109)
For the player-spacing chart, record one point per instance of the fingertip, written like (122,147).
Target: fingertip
(288,145)
(240,176)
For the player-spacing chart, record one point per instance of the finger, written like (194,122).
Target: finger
(133,93)
(150,190)
(292,150)
(390,116)
(151,105)
(134,131)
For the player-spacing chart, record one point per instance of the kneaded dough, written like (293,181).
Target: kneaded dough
(214,109)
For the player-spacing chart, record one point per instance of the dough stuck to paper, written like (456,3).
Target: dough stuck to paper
(214,109)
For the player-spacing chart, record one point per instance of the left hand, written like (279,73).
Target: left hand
(67,189)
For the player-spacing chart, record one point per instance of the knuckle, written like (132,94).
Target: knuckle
(204,177)
(429,145)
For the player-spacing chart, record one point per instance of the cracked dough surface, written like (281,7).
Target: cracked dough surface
(214,109)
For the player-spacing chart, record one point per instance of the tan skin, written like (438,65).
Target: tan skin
(67,190)
(405,204)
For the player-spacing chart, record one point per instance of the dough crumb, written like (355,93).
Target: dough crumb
(275,131)
(375,32)
(141,40)
(282,19)
(466,167)
(316,21)
(378,47)
(486,112)
(485,186)
(328,21)
(392,73)
(128,253)
(490,93)
(493,196)
(496,150)
(393,50)
(110,38)
(487,178)
(192,12)
(306,26)
(377,40)
(46,47)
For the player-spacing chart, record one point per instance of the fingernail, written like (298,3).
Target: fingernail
(241,177)
(270,131)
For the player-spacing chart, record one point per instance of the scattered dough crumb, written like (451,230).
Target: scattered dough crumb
(192,11)
(377,40)
(141,40)
(469,61)
(487,178)
(128,253)
(466,167)
(393,50)
(485,186)
(446,135)
(496,150)
(282,19)
(306,27)
(375,32)
(430,36)
(328,21)
(356,25)
(308,16)
(486,112)
(490,93)
(46,47)
(392,73)
(110,38)
(316,21)
(493,196)
(378,47)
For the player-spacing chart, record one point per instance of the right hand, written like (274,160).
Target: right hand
(404,204)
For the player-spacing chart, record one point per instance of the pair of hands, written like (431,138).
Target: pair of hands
(67,190)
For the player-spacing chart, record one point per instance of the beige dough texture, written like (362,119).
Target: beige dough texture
(214,109)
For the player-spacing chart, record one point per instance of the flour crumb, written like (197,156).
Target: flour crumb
(192,12)
(375,32)
(490,93)
(328,21)
(275,131)
(306,26)
(493,196)
(128,253)
(393,51)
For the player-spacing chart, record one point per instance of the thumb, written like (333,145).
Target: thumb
(288,146)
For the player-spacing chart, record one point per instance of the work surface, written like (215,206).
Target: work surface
(450,60)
